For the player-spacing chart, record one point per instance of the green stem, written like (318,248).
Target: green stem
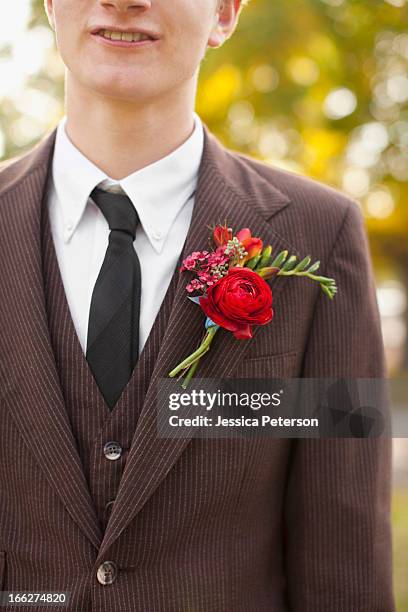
(192,363)
(191,371)
(203,348)
(294,273)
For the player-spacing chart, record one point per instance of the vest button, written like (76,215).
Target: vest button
(107,572)
(109,505)
(112,450)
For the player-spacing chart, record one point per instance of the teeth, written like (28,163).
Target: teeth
(137,36)
(126,36)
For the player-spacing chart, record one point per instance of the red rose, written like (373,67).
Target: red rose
(238,300)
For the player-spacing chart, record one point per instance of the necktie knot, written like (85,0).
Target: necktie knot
(117,209)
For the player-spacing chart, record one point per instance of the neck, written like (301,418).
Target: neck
(122,136)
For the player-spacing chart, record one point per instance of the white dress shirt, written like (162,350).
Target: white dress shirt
(163,195)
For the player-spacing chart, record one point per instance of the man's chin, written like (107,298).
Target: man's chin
(121,91)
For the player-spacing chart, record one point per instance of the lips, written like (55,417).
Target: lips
(125,34)
(124,38)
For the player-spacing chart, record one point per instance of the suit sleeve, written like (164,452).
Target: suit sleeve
(337,531)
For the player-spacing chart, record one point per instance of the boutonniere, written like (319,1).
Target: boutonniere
(231,280)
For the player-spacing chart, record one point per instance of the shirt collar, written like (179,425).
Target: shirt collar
(158,191)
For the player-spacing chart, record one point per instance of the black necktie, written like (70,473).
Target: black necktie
(113,327)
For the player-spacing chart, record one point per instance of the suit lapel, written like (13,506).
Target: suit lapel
(217,198)
(30,382)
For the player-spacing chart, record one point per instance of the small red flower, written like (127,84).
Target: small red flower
(252,245)
(239,300)
(218,257)
(196,261)
(195,285)
(222,234)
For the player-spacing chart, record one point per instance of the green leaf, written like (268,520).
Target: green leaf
(303,264)
(314,267)
(290,264)
(278,261)
(328,291)
(251,263)
(265,258)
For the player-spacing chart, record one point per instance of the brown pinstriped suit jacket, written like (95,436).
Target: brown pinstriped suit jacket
(204,525)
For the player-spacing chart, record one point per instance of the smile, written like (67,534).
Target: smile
(125,36)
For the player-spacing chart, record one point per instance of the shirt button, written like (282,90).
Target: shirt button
(157,235)
(70,225)
(107,572)
(112,450)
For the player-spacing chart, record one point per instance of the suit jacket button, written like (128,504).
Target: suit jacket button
(107,572)
(112,450)
(109,505)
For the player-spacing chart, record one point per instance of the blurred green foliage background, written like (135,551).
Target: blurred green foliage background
(318,87)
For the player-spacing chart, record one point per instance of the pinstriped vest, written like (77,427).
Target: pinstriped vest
(93,424)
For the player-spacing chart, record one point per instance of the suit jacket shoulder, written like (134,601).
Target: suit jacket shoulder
(16,169)
(316,213)
(309,194)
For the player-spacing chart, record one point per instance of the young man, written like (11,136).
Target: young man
(93,502)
